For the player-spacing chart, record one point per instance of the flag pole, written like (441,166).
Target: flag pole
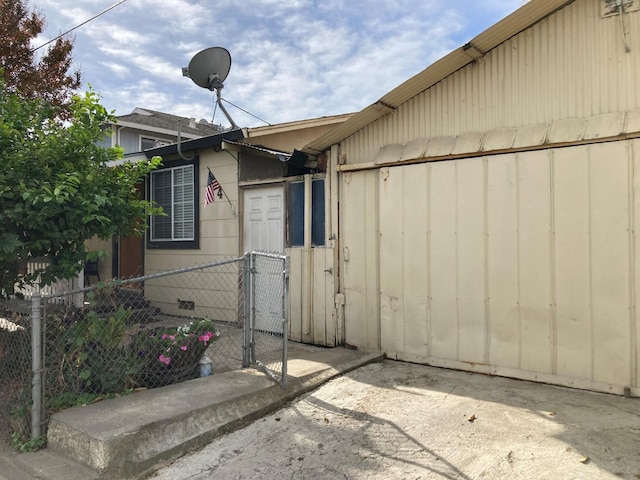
(233,209)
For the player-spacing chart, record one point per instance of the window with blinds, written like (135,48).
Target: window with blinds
(173,189)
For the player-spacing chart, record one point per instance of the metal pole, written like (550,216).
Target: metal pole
(285,318)
(36,367)
(43,362)
(252,307)
(246,312)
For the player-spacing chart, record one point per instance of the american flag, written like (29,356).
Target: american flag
(212,187)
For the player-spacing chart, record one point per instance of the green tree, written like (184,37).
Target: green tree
(45,76)
(57,188)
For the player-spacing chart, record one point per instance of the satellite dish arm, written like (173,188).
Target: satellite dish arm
(224,110)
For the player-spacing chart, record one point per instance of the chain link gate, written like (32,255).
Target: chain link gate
(267,319)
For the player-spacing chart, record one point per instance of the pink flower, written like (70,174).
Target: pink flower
(165,336)
(206,337)
(172,337)
(165,360)
(183,348)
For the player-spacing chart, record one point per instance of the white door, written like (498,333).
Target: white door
(264,219)
(264,231)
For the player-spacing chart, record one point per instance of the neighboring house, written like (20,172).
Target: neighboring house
(485,212)
(140,130)
(143,129)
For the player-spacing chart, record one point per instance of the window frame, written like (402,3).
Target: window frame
(293,223)
(176,244)
(158,142)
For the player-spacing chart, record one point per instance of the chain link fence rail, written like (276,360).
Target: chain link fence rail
(110,339)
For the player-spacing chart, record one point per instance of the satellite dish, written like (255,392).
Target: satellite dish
(208,69)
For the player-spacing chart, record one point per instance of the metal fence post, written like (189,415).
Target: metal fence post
(246,340)
(36,366)
(285,318)
(252,307)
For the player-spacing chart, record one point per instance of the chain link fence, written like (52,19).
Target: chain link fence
(116,337)
(268,297)
(15,370)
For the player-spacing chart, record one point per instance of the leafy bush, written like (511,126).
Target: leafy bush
(76,193)
(90,355)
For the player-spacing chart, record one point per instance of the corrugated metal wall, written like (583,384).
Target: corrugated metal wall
(311,296)
(519,264)
(572,64)
(360,266)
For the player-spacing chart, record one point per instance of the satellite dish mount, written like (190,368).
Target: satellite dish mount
(209,69)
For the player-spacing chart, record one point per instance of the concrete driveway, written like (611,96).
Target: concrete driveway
(398,420)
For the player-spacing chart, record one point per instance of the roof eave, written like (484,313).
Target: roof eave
(196,144)
(297,125)
(153,129)
(256,149)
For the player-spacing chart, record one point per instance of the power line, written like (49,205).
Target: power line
(248,113)
(79,25)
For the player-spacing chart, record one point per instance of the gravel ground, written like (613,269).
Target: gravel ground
(396,420)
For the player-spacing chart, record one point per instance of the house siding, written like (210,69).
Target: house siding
(219,235)
(488,224)
(572,64)
(219,227)
(520,264)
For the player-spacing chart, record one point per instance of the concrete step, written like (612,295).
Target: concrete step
(130,436)
(46,464)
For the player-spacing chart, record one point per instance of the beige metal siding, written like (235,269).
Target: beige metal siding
(311,296)
(470,249)
(610,261)
(360,259)
(502,262)
(534,262)
(517,264)
(572,266)
(404,297)
(572,64)
(634,248)
(443,273)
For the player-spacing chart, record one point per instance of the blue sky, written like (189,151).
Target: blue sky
(291,59)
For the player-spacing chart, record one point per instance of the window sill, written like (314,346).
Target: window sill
(174,245)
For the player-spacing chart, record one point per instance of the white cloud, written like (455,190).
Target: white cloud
(116,68)
(292,59)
